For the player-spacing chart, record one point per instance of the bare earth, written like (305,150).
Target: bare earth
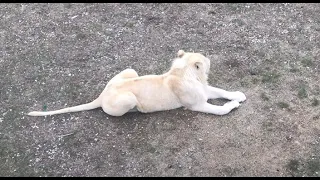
(58,55)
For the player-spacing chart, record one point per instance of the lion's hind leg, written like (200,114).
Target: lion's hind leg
(119,104)
(127,73)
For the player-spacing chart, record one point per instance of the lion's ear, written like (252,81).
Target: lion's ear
(181,53)
(197,65)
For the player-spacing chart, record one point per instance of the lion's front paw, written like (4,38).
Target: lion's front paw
(239,96)
(232,104)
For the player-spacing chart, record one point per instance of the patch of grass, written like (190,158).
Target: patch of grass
(293,167)
(129,24)
(270,77)
(253,72)
(294,70)
(268,125)
(302,92)
(316,90)
(313,166)
(238,22)
(283,105)
(307,61)
(229,171)
(315,102)
(233,6)
(212,12)
(244,83)
(150,148)
(269,61)
(264,97)
(232,63)
(255,80)
(44,108)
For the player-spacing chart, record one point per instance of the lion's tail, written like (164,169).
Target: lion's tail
(83,107)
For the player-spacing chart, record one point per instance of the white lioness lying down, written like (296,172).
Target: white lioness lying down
(184,85)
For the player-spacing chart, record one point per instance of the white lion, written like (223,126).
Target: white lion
(184,85)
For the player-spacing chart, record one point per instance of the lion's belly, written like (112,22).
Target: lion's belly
(151,91)
(151,99)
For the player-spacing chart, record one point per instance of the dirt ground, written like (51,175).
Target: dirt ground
(58,55)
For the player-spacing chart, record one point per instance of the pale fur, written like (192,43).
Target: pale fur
(184,85)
